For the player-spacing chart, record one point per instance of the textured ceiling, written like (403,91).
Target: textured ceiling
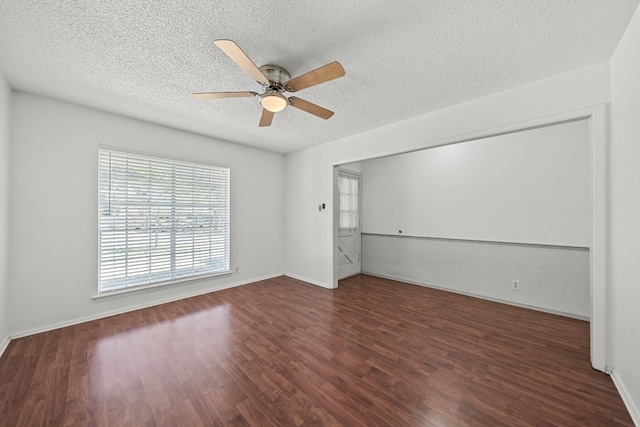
(144,58)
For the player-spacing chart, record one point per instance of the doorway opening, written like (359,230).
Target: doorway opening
(599,167)
(349,207)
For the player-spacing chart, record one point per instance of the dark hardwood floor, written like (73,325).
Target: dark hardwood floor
(285,353)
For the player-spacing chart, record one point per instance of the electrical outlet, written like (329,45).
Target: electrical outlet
(236,270)
(515,285)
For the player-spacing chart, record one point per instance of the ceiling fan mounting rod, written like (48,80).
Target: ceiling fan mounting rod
(276,75)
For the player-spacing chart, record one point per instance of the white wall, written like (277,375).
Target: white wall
(354,167)
(53,211)
(5,96)
(552,279)
(527,187)
(625,66)
(456,205)
(309,238)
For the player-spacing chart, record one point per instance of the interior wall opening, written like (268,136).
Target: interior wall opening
(517,229)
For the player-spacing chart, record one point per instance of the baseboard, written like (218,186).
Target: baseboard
(304,279)
(626,397)
(4,344)
(102,315)
(488,298)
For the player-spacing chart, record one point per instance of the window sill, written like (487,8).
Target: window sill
(147,288)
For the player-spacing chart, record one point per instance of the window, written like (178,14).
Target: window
(348,188)
(160,220)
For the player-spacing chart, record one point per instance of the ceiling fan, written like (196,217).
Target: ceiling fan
(275,80)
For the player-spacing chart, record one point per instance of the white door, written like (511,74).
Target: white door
(348,224)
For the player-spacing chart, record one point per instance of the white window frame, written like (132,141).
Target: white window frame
(349,201)
(160,220)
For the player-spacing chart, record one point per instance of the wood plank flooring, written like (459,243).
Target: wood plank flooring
(281,352)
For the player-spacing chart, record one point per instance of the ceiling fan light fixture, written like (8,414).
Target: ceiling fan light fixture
(274,101)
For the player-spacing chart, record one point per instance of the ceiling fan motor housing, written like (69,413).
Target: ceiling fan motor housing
(277,76)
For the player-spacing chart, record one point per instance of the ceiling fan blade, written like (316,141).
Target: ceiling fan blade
(234,52)
(267,117)
(310,107)
(319,75)
(218,95)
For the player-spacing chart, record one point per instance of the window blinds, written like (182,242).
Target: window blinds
(160,220)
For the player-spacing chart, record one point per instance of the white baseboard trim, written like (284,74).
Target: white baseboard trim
(4,344)
(626,397)
(102,315)
(304,279)
(488,298)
